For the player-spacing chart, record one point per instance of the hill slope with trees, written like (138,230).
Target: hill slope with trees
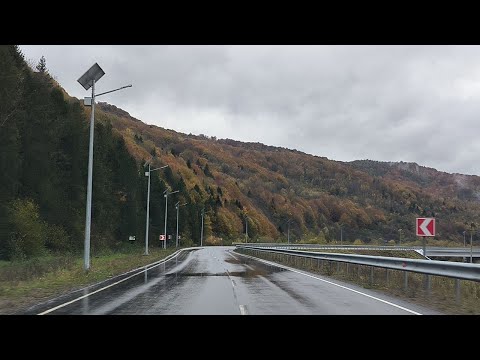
(43,169)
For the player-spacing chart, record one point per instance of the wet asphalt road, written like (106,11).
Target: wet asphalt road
(218,281)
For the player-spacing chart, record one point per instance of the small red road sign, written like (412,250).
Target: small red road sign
(425,227)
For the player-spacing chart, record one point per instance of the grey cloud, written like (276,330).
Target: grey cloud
(388,103)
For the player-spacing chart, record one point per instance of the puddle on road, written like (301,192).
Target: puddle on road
(232,260)
(260,267)
(245,274)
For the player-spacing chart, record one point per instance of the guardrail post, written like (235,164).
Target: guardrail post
(457,291)
(427,284)
(338,267)
(405,285)
(386,276)
(371,275)
(347,269)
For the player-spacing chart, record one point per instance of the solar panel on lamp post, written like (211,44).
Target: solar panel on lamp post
(88,80)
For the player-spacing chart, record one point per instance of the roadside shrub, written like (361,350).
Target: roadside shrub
(27,238)
(56,238)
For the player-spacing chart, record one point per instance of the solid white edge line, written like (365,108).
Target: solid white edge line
(331,283)
(108,286)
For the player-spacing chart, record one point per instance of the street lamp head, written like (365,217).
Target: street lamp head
(93,74)
(161,167)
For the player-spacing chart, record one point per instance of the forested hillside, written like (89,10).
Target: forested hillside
(43,169)
(43,158)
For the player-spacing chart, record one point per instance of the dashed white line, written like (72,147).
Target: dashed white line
(332,283)
(243,309)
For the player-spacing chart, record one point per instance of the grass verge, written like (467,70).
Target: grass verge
(26,283)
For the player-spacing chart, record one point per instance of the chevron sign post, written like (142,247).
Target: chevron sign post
(425,227)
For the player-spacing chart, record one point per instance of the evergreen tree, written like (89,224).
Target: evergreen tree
(42,65)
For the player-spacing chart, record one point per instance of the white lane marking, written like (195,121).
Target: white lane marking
(243,309)
(106,287)
(332,283)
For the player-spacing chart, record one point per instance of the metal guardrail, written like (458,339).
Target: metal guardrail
(431,267)
(434,251)
(333,247)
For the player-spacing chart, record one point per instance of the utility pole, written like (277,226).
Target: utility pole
(88,80)
(201,234)
(166,193)
(148,173)
(288,231)
(177,206)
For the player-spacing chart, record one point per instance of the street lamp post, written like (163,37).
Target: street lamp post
(288,231)
(147,173)
(201,234)
(246,229)
(400,237)
(471,246)
(88,80)
(464,243)
(177,206)
(341,236)
(166,193)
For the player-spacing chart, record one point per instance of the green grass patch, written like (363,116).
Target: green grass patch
(26,283)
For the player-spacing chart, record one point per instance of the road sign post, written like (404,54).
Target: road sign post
(425,227)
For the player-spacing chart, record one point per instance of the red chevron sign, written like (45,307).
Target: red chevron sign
(425,226)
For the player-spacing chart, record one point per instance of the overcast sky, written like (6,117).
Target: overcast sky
(388,103)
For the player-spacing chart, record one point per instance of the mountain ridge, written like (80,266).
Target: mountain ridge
(439,190)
